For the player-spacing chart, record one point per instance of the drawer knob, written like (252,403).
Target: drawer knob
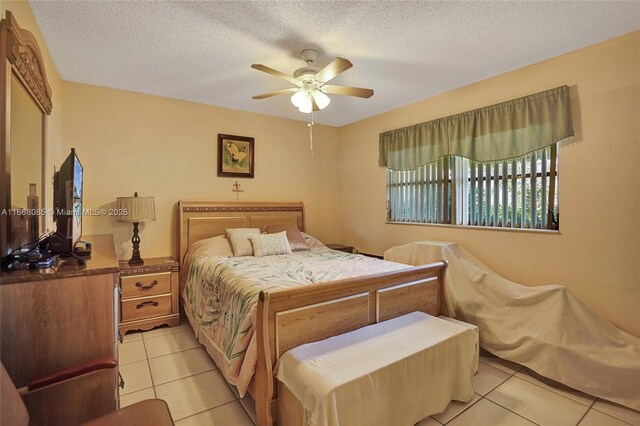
(148,302)
(146,287)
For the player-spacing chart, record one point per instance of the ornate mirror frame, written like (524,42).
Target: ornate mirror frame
(21,57)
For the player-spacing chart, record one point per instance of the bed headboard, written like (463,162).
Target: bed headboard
(206,219)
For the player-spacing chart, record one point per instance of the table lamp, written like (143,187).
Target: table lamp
(136,210)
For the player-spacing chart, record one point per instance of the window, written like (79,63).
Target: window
(515,193)
(495,166)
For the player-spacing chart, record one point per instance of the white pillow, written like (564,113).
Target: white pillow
(214,246)
(270,244)
(239,238)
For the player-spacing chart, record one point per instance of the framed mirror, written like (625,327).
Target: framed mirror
(26,103)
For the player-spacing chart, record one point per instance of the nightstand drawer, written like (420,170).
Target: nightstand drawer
(145,307)
(146,285)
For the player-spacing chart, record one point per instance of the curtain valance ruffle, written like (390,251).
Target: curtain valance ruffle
(497,132)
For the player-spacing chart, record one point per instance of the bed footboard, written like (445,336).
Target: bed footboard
(292,317)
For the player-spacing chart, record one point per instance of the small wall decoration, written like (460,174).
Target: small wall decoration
(235,156)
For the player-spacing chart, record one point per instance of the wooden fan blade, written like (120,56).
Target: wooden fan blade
(277,92)
(273,72)
(333,68)
(348,91)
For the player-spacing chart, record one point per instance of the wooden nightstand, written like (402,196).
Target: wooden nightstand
(149,294)
(341,247)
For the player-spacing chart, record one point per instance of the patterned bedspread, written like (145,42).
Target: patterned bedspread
(221,295)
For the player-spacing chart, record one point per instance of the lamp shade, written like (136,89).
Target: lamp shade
(300,98)
(321,99)
(138,209)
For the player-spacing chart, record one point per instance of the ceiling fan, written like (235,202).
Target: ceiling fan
(312,88)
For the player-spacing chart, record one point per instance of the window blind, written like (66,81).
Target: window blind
(515,193)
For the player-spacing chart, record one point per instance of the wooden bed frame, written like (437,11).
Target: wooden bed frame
(291,317)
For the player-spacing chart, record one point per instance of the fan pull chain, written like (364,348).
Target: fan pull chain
(310,125)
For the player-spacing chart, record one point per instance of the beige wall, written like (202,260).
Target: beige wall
(167,149)
(597,253)
(23,15)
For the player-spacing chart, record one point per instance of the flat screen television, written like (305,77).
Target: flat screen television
(67,200)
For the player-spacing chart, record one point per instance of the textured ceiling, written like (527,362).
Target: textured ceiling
(405,51)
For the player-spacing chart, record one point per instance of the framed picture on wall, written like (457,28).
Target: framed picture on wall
(235,156)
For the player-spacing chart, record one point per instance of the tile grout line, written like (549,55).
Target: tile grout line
(186,377)
(169,353)
(465,409)
(139,390)
(506,408)
(560,395)
(214,368)
(587,412)
(552,389)
(242,405)
(510,410)
(611,415)
(589,407)
(204,411)
(491,401)
(583,416)
(170,330)
(193,375)
(512,373)
(178,351)
(555,391)
(164,334)
(481,396)
(153,385)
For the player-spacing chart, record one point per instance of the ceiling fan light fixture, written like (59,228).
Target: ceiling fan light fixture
(303,101)
(321,99)
(300,98)
(307,107)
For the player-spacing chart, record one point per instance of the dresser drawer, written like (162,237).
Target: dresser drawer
(146,285)
(146,307)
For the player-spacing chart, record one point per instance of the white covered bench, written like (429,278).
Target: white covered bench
(394,373)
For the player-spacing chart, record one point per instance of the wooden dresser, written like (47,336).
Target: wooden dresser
(59,317)
(149,294)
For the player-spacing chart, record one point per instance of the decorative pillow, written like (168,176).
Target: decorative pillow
(312,242)
(239,238)
(270,244)
(296,241)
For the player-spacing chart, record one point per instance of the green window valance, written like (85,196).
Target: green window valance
(497,132)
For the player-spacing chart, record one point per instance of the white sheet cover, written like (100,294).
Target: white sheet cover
(545,328)
(392,373)
(476,329)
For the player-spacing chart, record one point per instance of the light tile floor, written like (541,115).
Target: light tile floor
(170,364)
